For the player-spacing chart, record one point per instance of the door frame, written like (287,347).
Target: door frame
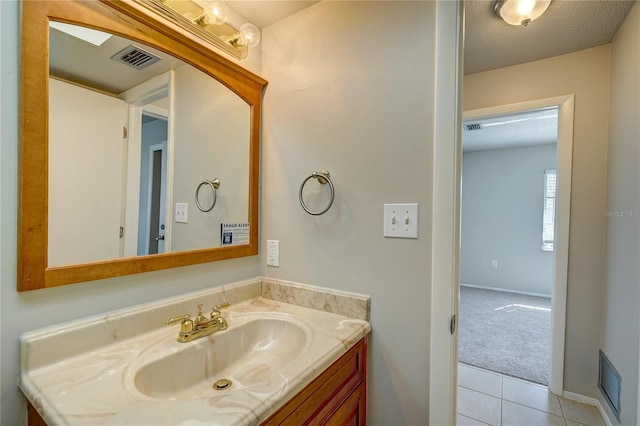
(140,98)
(445,215)
(565,105)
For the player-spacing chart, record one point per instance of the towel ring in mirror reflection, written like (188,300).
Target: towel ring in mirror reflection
(323,177)
(214,184)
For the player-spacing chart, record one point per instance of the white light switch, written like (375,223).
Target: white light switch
(181,212)
(401,220)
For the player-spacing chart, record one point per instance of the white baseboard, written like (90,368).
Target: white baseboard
(504,290)
(589,401)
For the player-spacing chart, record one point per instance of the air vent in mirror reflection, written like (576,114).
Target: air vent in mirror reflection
(135,57)
(473,126)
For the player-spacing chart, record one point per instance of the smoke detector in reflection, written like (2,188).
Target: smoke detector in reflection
(135,57)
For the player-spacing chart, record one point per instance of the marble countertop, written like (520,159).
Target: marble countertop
(83,372)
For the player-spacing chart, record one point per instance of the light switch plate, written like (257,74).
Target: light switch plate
(401,220)
(182,212)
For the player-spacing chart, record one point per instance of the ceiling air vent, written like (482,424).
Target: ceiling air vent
(473,126)
(135,57)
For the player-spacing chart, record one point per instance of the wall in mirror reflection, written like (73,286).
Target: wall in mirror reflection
(112,193)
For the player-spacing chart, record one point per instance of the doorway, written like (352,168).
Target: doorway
(153,185)
(564,149)
(507,240)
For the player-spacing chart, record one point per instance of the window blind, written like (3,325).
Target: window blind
(549,211)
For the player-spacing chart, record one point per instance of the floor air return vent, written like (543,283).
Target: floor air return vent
(609,383)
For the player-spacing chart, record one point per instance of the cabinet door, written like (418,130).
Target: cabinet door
(323,397)
(353,411)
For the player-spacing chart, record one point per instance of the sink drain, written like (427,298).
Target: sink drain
(222,384)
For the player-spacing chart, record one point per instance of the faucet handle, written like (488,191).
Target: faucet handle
(200,318)
(185,321)
(176,320)
(215,311)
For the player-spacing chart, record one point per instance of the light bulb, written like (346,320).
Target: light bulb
(214,12)
(526,6)
(249,34)
(219,10)
(520,12)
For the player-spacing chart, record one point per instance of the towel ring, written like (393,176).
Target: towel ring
(214,185)
(324,178)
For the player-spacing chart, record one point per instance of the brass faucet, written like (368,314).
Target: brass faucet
(201,326)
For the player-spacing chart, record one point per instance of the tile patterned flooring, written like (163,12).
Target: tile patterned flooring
(488,398)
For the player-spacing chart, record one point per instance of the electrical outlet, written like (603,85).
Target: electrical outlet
(273,253)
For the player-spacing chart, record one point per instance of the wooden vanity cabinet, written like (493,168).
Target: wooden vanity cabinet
(335,397)
(33,417)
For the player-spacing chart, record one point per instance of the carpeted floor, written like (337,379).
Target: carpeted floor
(507,333)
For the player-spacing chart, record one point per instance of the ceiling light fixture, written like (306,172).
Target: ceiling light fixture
(520,12)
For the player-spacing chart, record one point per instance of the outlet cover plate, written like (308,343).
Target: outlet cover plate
(401,220)
(273,253)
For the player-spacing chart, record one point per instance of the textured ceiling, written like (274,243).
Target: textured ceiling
(528,128)
(567,26)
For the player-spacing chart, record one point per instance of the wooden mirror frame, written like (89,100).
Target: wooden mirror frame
(126,19)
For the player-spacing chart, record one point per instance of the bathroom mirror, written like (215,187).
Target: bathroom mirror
(93,208)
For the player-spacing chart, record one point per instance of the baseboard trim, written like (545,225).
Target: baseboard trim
(589,401)
(504,290)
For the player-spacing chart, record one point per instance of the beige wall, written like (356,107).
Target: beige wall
(366,115)
(585,74)
(21,312)
(211,129)
(620,294)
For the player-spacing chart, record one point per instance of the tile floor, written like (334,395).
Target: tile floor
(488,398)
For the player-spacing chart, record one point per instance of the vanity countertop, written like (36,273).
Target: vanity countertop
(93,380)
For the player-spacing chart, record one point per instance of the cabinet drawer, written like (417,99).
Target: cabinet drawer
(317,402)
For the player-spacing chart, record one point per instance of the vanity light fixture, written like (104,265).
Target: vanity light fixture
(207,19)
(520,12)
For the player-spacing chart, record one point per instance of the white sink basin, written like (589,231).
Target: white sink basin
(252,349)
(126,367)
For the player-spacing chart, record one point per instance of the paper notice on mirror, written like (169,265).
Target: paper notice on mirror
(234,234)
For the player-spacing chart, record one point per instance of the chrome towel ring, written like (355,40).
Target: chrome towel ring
(214,185)
(324,178)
